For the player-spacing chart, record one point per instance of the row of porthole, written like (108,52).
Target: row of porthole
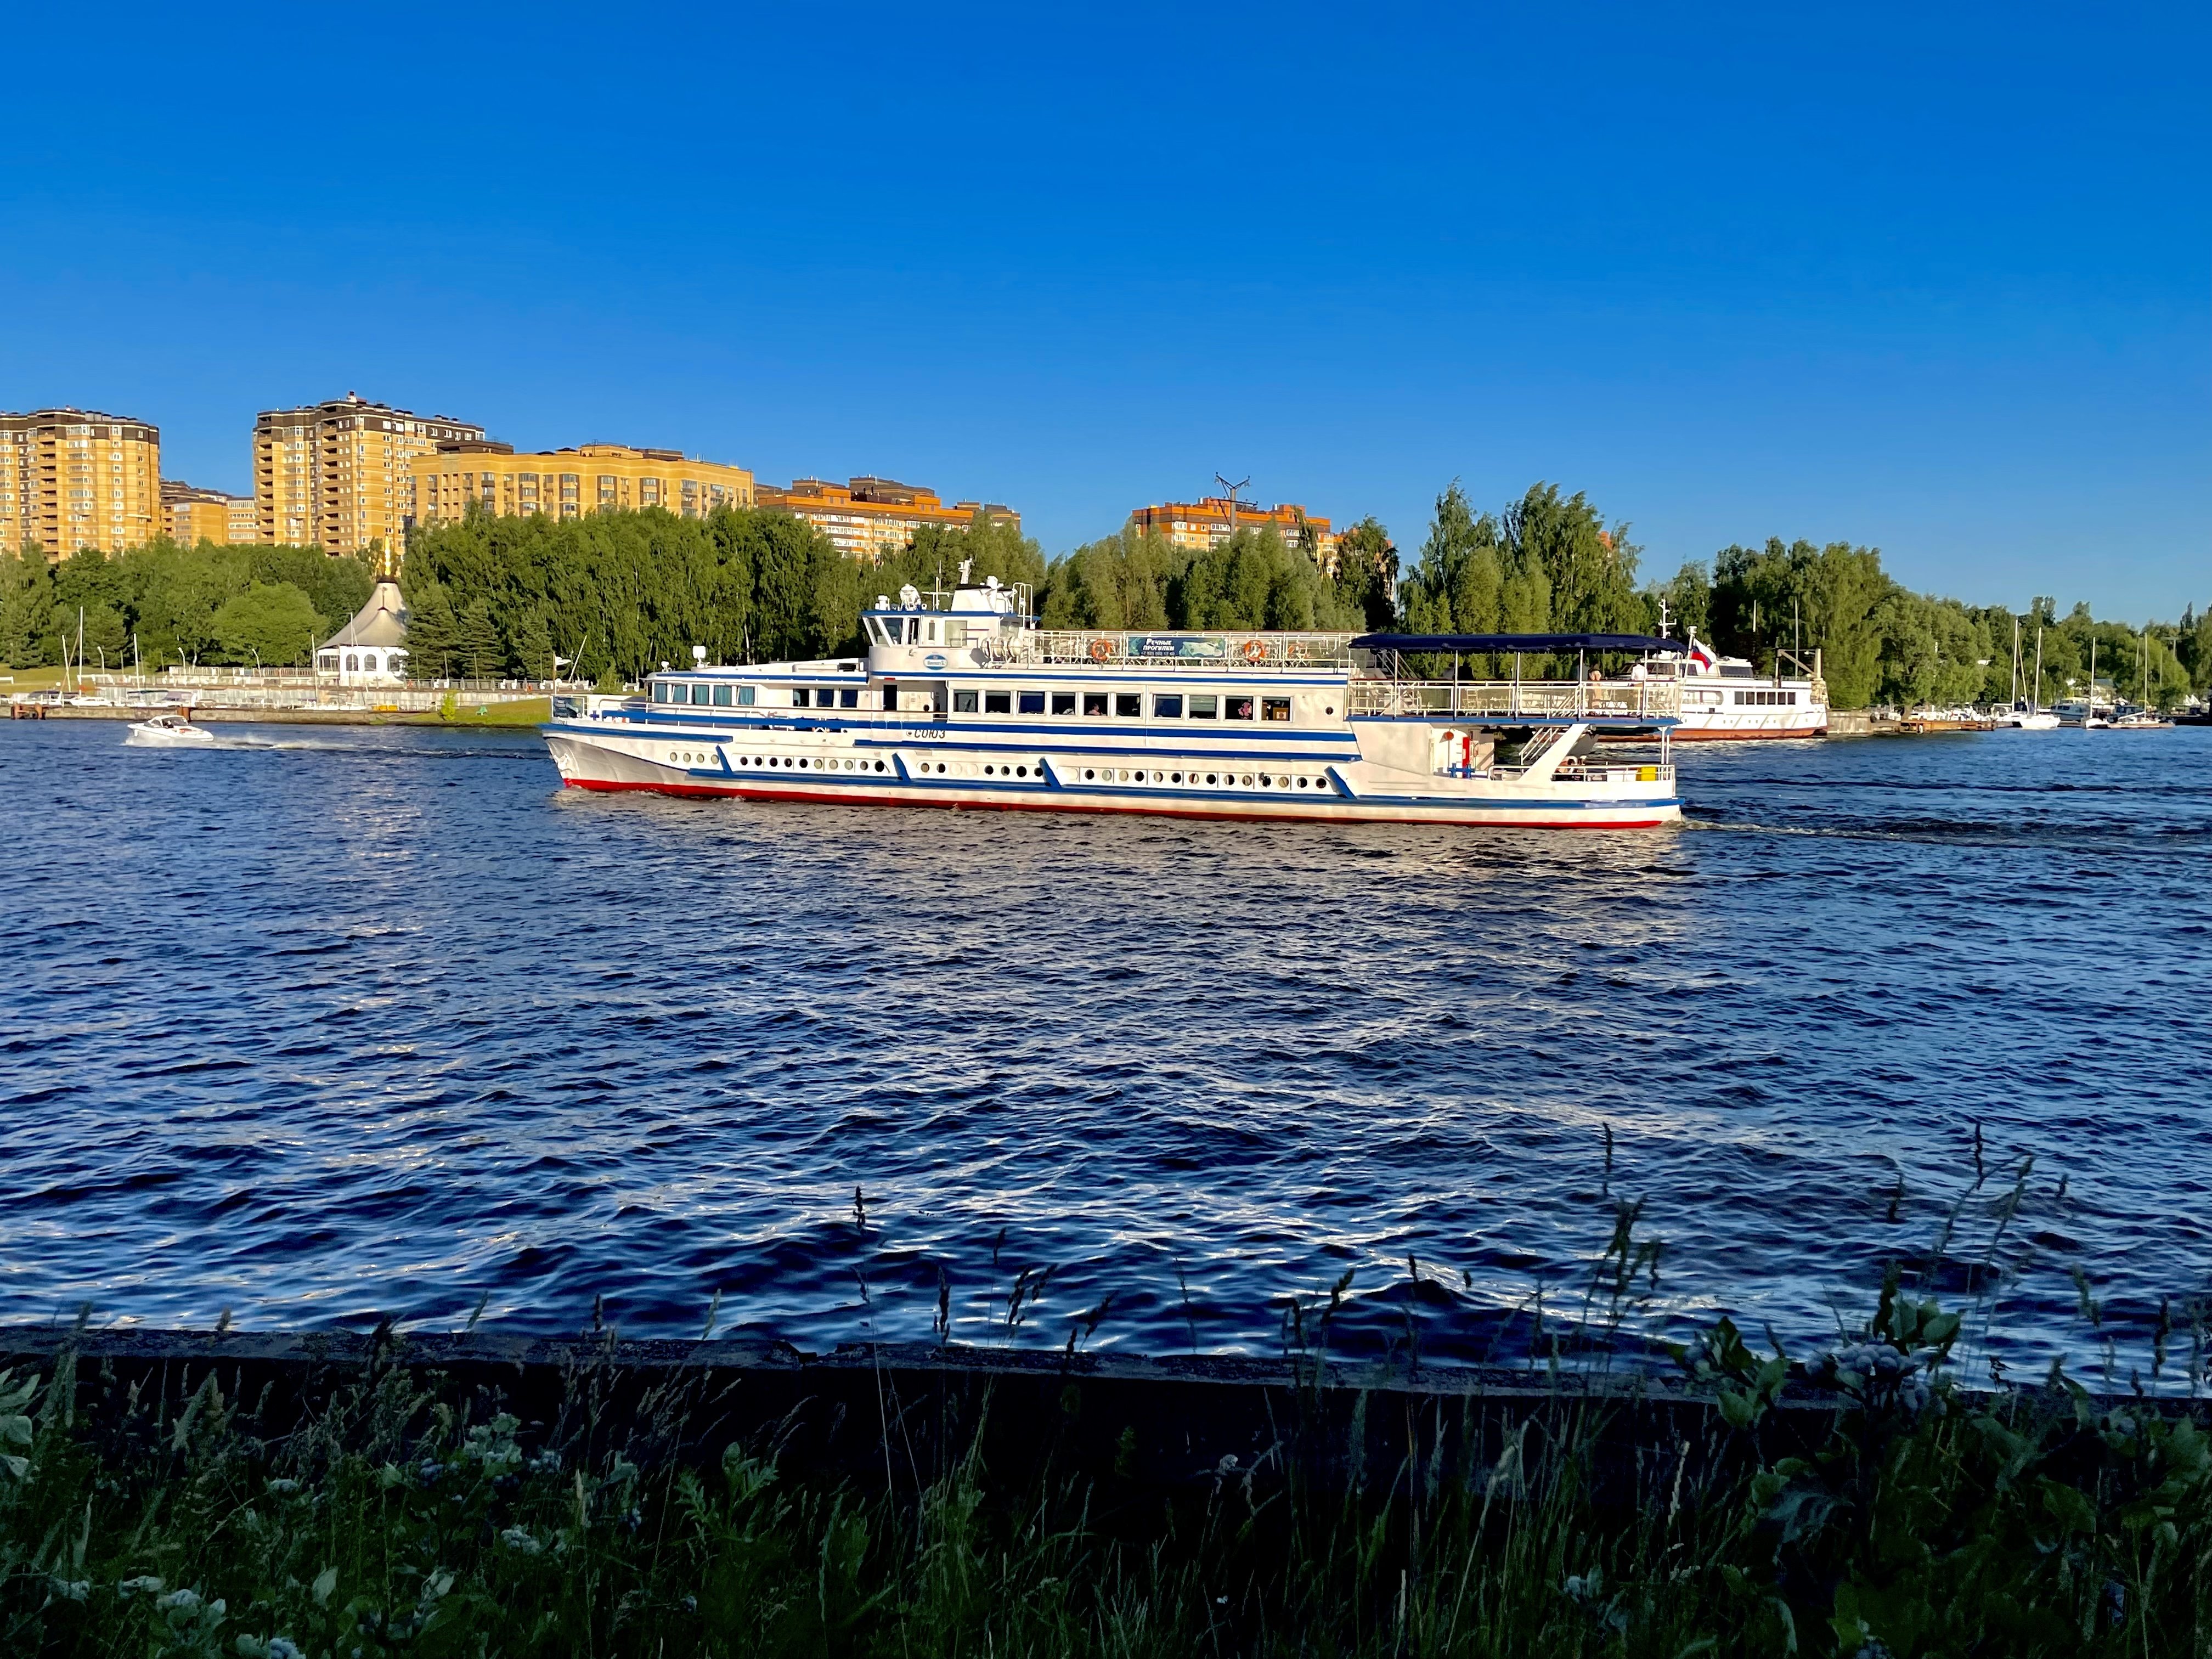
(1217,780)
(969,770)
(691,758)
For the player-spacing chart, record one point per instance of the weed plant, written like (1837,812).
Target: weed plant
(393,1511)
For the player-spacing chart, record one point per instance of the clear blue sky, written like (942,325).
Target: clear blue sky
(1936,280)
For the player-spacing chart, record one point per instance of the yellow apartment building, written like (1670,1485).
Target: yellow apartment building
(192,515)
(869,517)
(335,475)
(567,483)
(1213,519)
(73,478)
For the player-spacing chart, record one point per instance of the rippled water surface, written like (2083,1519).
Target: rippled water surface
(314,1027)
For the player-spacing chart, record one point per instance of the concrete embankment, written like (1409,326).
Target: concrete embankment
(1164,1422)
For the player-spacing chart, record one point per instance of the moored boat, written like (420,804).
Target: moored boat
(973,705)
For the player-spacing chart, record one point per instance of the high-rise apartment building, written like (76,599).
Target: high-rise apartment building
(1213,519)
(868,518)
(334,475)
(192,515)
(73,478)
(567,483)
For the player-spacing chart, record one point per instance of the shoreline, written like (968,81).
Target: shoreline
(519,714)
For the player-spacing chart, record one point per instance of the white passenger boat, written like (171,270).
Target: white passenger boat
(171,730)
(1727,700)
(972,705)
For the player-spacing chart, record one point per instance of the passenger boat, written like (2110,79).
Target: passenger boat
(1727,700)
(968,703)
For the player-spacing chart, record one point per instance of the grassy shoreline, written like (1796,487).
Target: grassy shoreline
(382,1502)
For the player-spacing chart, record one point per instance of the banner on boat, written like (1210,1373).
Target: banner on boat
(1177,644)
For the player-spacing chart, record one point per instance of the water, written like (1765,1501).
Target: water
(332,1023)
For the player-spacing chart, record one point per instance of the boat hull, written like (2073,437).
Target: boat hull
(1318,793)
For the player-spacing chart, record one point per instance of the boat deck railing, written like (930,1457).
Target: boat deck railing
(1548,699)
(1165,650)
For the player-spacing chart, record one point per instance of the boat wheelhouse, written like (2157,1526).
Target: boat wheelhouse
(970,704)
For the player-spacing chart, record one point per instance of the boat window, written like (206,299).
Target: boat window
(931,631)
(1204,708)
(1033,702)
(1237,708)
(703,694)
(1063,702)
(956,633)
(1094,702)
(721,696)
(1129,705)
(659,691)
(997,702)
(1275,709)
(799,697)
(964,703)
(745,696)
(848,696)
(1167,709)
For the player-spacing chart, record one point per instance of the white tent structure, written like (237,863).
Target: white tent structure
(372,648)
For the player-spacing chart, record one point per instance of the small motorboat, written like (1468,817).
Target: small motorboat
(169,731)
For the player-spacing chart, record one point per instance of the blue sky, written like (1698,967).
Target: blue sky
(1935,281)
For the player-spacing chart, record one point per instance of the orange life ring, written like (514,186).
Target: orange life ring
(1253,650)
(1101,649)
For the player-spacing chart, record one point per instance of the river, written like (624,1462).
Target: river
(324,1024)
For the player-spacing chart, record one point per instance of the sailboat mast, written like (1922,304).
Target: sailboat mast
(2015,662)
(2035,702)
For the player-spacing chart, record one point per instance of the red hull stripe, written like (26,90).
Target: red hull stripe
(840,799)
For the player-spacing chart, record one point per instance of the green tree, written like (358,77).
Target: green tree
(1588,570)
(270,623)
(433,632)
(1366,579)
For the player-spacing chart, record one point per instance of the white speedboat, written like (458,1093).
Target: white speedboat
(2026,719)
(169,731)
(974,706)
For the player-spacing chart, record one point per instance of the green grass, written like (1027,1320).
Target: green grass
(459,711)
(398,1512)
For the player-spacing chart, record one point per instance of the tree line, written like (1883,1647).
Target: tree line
(612,595)
(163,603)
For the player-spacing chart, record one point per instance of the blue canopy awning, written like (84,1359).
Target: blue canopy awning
(1523,643)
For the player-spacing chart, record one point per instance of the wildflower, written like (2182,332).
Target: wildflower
(282,1647)
(284,1488)
(72,1589)
(183,1600)
(430,1471)
(145,1582)
(522,1541)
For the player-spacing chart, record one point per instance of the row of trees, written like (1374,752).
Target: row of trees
(615,594)
(164,604)
(1880,642)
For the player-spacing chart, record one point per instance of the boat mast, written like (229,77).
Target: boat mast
(2035,701)
(2015,662)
